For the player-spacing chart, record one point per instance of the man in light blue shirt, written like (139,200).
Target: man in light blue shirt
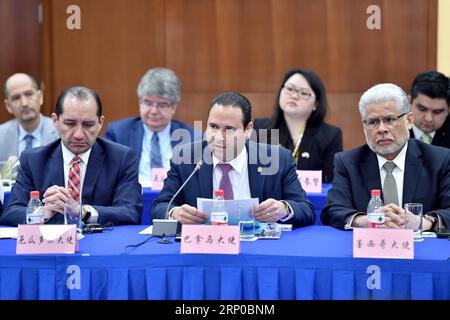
(154,134)
(30,128)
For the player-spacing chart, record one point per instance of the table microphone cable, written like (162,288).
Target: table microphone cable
(162,237)
(138,244)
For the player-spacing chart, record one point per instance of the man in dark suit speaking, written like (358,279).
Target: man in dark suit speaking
(243,168)
(102,175)
(407,170)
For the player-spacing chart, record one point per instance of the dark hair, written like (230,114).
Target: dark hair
(81,93)
(33,83)
(432,84)
(317,117)
(237,100)
(316,85)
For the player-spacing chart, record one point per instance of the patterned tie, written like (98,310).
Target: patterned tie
(426,138)
(74,179)
(225,182)
(155,153)
(29,141)
(390,192)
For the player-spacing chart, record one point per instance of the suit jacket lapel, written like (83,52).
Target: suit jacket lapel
(205,175)
(370,172)
(413,170)
(56,167)
(138,138)
(307,142)
(205,181)
(173,126)
(255,176)
(93,170)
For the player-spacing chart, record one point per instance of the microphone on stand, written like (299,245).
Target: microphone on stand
(197,168)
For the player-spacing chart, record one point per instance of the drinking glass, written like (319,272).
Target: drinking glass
(413,218)
(246,218)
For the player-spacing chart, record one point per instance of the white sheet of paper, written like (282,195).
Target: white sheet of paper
(205,205)
(6,233)
(148,230)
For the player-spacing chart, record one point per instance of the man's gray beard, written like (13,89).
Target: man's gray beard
(389,150)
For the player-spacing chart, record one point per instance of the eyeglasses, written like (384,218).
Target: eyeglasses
(304,94)
(390,121)
(158,105)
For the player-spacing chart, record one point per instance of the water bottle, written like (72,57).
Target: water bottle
(219,215)
(35,209)
(375,211)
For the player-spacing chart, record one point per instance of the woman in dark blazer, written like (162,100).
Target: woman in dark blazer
(300,109)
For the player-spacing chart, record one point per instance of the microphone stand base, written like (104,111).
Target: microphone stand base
(164,241)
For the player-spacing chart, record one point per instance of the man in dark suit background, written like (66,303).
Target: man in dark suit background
(249,169)
(407,170)
(154,134)
(430,100)
(100,174)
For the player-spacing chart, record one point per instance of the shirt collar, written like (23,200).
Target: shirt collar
(36,133)
(68,155)
(163,134)
(399,159)
(418,133)
(237,163)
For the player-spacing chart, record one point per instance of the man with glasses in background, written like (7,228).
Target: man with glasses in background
(154,134)
(30,128)
(406,170)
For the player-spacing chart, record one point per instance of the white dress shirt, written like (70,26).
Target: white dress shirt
(238,175)
(67,159)
(165,147)
(37,136)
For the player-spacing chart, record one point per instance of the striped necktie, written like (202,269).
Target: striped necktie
(74,179)
(155,152)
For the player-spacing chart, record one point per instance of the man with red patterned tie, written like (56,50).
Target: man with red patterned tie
(99,174)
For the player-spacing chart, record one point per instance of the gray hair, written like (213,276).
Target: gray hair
(160,82)
(382,93)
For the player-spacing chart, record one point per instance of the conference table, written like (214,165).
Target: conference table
(312,262)
(149,195)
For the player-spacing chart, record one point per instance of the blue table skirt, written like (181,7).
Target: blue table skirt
(309,263)
(150,195)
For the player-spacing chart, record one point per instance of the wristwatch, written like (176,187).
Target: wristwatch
(87,215)
(432,219)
